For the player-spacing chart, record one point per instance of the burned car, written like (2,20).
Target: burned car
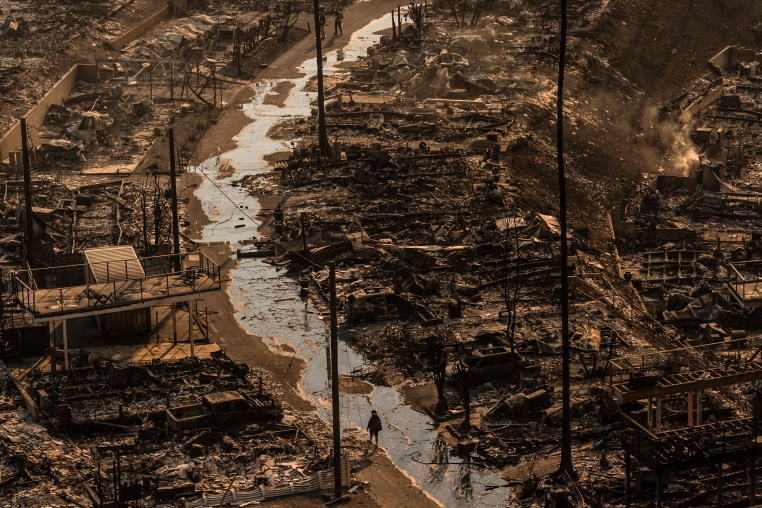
(225,410)
(487,364)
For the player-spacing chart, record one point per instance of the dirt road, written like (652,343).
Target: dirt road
(389,487)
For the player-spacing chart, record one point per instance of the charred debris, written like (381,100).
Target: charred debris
(169,416)
(449,274)
(447,268)
(115,431)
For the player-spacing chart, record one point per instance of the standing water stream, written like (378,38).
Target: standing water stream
(267,304)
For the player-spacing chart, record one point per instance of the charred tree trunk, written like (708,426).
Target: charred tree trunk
(464,384)
(144,209)
(438,358)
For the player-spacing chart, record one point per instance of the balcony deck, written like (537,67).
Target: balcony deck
(191,283)
(689,381)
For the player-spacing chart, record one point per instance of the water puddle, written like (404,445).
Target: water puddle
(267,304)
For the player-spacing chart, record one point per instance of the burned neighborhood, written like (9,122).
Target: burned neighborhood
(524,235)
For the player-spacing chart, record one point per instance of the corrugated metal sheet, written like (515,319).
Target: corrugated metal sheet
(108,264)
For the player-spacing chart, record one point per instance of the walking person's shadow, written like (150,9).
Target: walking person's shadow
(370,449)
(366,459)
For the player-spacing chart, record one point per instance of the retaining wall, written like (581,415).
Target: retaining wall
(137,30)
(731,57)
(11,141)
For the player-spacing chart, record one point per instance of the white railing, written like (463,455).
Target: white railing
(322,480)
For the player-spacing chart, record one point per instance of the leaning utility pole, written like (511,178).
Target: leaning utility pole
(323,144)
(29,238)
(566,465)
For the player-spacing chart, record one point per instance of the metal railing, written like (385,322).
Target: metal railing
(118,291)
(658,449)
(698,357)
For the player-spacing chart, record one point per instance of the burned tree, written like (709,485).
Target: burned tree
(461,8)
(246,40)
(458,10)
(143,196)
(463,374)
(435,349)
(286,16)
(155,205)
(417,13)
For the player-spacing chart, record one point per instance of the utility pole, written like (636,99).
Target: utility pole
(335,385)
(27,197)
(173,192)
(323,144)
(566,465)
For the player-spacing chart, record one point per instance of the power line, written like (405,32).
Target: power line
(201,171)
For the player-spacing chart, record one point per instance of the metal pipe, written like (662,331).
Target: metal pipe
(65,345)
(27,198)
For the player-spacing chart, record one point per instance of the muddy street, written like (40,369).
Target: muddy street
(295,327)
(173,191)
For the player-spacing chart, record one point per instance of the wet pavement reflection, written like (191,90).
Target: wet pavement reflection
(267,305)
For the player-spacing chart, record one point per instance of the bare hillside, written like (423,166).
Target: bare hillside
(622,68)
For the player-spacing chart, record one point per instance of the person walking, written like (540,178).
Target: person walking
(374,427)
(321,21)
(338,22)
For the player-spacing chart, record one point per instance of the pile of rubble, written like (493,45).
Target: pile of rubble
(74,217)
(160,430)
(451,271)
(438,206)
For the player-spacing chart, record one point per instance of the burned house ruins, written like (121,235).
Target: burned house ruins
(436,203)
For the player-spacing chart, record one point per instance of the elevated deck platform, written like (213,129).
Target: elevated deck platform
(661,386)
(693,447)
(160,286)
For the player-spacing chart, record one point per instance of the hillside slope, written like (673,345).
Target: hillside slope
(631,59)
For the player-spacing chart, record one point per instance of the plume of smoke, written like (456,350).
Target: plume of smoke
(672,140)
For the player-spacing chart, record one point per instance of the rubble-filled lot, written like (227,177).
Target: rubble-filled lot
(107,422)
(99,154)
(438,206)
(447,252)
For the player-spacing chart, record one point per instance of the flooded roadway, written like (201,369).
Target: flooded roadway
(267,304)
